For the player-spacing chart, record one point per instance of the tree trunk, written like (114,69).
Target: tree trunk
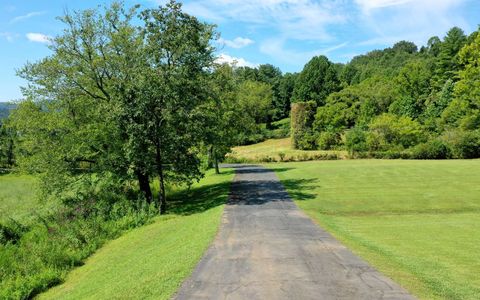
(162,201)
(269,122)
(144,183)
(217,170)
(210,157)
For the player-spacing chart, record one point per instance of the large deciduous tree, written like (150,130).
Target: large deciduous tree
(118,98)
(69,122)
(174,86)
(317,80)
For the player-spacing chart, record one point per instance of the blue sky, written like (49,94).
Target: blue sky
(285,33)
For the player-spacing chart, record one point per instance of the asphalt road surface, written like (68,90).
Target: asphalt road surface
(267,248)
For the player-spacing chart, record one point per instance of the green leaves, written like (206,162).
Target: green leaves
(317,80)
(115,97)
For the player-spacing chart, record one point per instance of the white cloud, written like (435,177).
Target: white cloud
(27,16)
(38,37)
(236,61)
(368,5)
(198,9)
(238,42)
(295,19)
(394,20)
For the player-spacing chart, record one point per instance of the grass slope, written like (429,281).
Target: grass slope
(415,221)
(17,196)
(270,150)
(151,262)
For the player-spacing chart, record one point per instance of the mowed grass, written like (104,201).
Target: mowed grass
(152,261)
(270,150)
(416,221)
(18,196)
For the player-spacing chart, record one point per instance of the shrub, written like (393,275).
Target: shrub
(433,149)
(265,159)
(356,140)
(307,142)
(464,144)
(327,140)
(11,231)
(37,257)
(229,159)
(390,154)
(332,156)
(387,131)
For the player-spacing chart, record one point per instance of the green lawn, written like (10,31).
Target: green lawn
(17,196)
(416,221)
(152,261)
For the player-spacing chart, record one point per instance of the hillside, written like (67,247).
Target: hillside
(5,108)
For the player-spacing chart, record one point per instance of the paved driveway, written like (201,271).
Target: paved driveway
(268,249)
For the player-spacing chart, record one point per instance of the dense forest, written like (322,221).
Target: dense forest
(397,102)
(132,101)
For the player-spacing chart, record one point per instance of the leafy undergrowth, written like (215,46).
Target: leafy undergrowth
(415,221)
(279,150)
(152,261)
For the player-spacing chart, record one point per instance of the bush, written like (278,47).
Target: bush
(388,132)
(265,159)
(390,154)
(355,140)
(307,141)
(327,140)
(11,232)
(464,144)
(229,159)
(433,149)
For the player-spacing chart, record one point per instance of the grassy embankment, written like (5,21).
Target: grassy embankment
(152,261)
(147,262)
(279,150)
(415,221)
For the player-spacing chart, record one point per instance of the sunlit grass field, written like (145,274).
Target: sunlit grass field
(151,262)
(416,221)
(270,150)
(18,196)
